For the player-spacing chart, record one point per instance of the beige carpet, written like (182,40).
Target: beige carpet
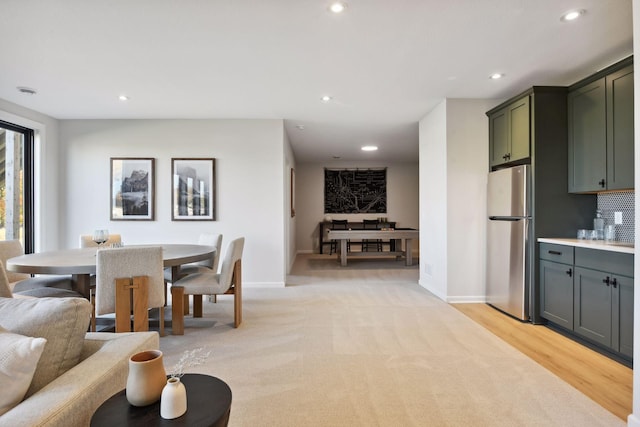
(366,346)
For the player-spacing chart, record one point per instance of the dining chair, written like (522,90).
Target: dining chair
(86,241)
(227,282)
(207,265)
(201,266)
(339,224)
(132,272)
(7,292)
(22,282)
(376,244)
(389,242)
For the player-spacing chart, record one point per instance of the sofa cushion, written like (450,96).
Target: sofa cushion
(63,322)
(19,356)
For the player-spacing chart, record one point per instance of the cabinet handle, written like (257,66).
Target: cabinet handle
(607,281)
(601,183)
(569,272)
(614,283)
(555,253)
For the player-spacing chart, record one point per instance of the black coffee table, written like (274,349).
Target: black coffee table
(208,404)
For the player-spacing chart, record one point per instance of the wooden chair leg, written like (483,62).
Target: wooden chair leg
(186,304)
(140,291)
(161,322)
(197,306)
(177,310)
(237,293)
(123,305)
(93,310)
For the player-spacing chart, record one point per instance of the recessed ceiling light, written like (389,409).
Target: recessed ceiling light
(369,148)
(326,98)
(337,7)
(123,98)
(26,90)
(573,15)
(496,76)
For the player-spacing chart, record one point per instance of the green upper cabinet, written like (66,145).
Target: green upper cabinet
(509,133)
(587,138)
(601,133)
(620,165)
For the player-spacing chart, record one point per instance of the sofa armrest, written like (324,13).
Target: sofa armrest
(72,398)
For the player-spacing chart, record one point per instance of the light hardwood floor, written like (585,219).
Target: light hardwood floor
(605,381)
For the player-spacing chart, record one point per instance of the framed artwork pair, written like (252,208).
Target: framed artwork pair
(133,189)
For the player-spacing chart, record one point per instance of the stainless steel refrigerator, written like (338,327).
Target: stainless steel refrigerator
(509,245)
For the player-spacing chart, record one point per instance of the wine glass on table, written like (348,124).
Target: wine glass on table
(100,236)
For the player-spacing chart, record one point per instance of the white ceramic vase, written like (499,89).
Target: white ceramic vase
(146,378)
(173,402)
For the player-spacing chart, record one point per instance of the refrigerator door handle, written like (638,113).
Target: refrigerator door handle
(502,218)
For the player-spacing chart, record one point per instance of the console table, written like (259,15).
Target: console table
(208,404)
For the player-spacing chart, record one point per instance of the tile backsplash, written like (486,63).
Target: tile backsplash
(623,202)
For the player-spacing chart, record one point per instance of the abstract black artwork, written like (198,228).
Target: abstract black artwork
(193,190)
(355,191)
(132,189)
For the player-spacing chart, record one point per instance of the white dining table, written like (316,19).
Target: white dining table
(80,263)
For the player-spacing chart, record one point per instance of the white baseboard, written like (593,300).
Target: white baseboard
(263,284)
(434,291)
(633,421)
(467,299)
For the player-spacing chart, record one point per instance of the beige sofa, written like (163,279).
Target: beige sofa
(77,371)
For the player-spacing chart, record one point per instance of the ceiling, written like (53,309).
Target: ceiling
(385,64)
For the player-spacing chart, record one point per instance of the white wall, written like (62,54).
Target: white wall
(402,198)
(453,176)
(289,221)
(467,169)
(46,169)
(433,200)
(250,183)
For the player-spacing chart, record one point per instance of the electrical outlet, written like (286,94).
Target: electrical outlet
(618,217)
(428,269)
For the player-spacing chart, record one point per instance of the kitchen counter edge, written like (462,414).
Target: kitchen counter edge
(626,248)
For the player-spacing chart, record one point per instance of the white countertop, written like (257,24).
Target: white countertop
(626,248)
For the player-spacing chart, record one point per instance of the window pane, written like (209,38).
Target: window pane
(12,185)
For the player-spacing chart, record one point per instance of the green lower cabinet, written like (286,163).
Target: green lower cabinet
(593,306)
(624,301)
(556,297)
(589,292)
(604,309)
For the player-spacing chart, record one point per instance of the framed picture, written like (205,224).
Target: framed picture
(132,189)
(193,192)
(293,192)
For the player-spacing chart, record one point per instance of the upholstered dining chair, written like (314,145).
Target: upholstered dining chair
(123,270)
(40,286)
(207,265)
(38,292)
(86,241)
(227,282)
(201,266)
